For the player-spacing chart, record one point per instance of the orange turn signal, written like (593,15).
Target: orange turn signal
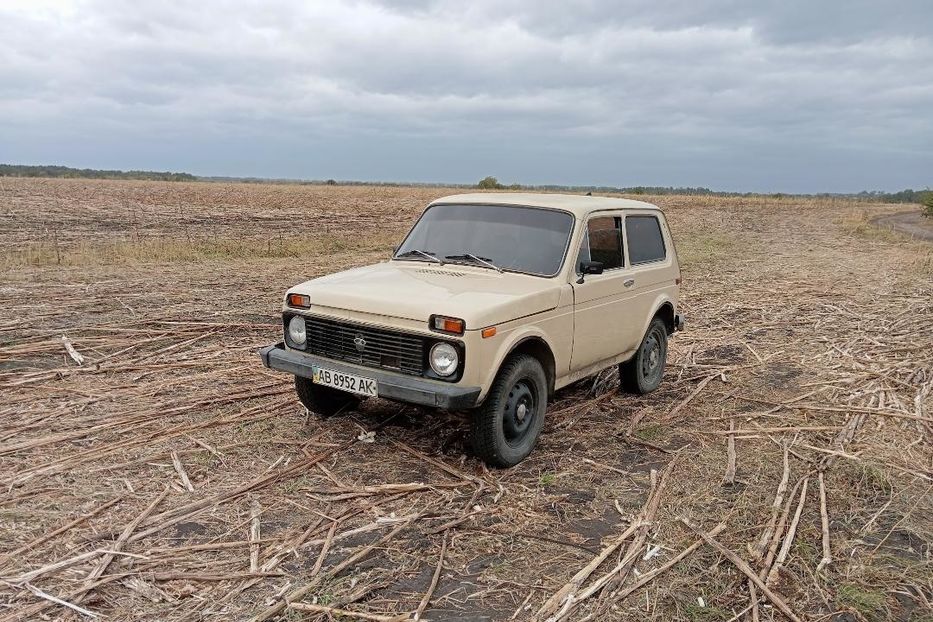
(447,324)
(302,301)
(488,332)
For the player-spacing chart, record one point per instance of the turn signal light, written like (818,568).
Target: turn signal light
(447,324)
(488,332)
(301,301)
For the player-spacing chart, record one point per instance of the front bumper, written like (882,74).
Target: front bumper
(390,385)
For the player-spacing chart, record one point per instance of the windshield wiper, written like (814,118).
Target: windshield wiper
(481,260)
(421,253)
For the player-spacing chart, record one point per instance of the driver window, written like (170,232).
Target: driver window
(602,242)
(584,254)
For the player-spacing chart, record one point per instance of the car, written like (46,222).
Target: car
(491,303)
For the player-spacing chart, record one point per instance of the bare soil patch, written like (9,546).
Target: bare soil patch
(912,223)
(809,343)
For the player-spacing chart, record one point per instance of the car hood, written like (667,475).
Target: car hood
(415,290)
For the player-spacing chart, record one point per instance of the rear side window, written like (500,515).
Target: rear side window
(602,242)
(645,242)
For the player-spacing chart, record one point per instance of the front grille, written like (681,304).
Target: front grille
(383,348)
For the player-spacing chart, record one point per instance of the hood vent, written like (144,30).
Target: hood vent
(440,272)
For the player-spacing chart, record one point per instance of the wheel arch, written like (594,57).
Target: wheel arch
(536,347)
(665,311)
(665,308)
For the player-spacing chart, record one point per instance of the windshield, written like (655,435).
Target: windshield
(520,239)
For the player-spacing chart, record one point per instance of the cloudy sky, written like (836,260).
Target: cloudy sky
(790,95)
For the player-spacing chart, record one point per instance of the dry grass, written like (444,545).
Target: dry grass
(807,332)
(194,250)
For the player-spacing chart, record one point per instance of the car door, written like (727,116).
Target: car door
(602,326)
(651,266)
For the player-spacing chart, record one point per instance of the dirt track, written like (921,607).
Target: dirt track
(809,331)
(911,223)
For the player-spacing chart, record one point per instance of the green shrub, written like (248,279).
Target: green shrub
(489,183)
(928,204)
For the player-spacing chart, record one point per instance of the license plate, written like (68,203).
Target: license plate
(344,382)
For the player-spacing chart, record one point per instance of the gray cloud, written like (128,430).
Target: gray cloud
(792,95)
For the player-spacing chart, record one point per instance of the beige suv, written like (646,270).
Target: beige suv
(490,304)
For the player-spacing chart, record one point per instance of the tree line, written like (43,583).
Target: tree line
(65,172)
(903,196)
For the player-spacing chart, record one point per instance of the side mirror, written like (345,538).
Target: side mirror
(591,267)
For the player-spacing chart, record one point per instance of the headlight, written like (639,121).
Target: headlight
(296,330)
(444,359)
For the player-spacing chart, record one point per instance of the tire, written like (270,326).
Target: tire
(507,425)
(643,372)
(323,401)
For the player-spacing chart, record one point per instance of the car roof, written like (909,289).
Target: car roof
(578,204)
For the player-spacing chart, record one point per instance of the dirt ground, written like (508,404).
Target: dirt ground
(171,477)
(911,223)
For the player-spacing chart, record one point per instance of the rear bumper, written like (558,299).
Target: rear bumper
(390,385)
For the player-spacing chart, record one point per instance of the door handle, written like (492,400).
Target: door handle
(628,282)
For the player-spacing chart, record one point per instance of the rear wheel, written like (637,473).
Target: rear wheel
(642,373)
(507,425)
(323,401)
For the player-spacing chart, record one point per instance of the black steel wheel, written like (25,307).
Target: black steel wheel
(323,401)
(642,373)
(507,425)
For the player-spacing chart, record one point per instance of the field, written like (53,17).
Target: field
(784,469)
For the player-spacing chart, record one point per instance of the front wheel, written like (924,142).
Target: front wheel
(642,373)
(323,401)
(507,425)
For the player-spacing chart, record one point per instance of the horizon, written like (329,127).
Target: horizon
(437,184)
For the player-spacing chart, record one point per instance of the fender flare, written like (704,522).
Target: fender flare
(657,306)
(519,338)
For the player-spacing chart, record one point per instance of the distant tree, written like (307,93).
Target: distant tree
(489,183)
(331,182)
(928,204)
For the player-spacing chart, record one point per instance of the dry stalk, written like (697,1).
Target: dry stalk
(824,522)
(789,537)
(680,406)
(325,549)
(32,545)
(558,598)
(778,533)
(729,478)
(119,544)
(180,469)
(301,592)
(426,599)
(759,550)
(254,535)
(745,569)
(58,601)
(571,595)
(621,594)
(330,612)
